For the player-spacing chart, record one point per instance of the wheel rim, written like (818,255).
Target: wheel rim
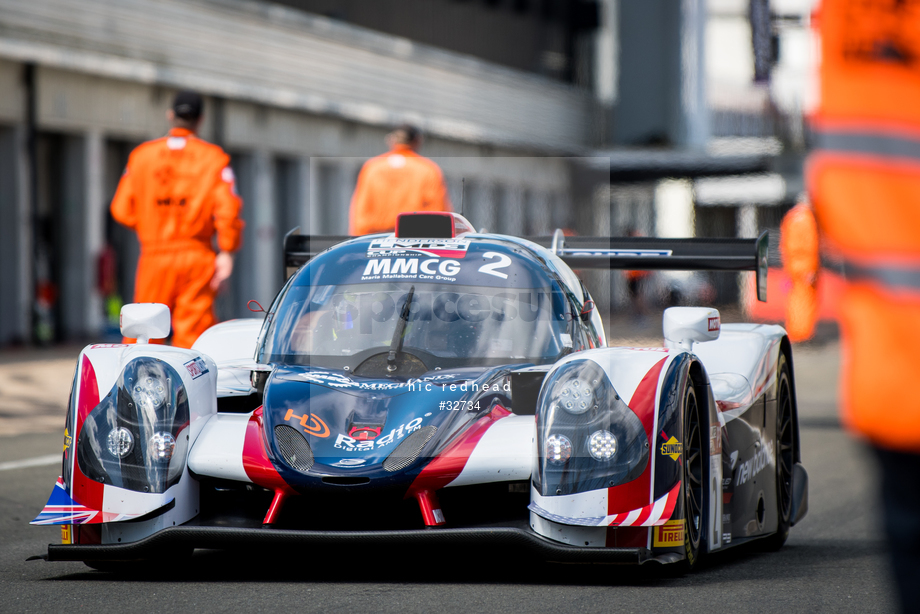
(786,448)
(693,469)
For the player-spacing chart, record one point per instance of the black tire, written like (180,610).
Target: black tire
(693,479)
(784,452)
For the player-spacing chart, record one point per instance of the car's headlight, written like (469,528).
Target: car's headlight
(149,392)
(119,442)
(134,438)
(602,445)
(558,449)
(577,395)
(162,446)
(587,437)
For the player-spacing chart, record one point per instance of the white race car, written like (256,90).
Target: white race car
(445,386)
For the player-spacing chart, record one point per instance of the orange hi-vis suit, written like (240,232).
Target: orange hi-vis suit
(798,244)
(177,192)
(864,182)
(396,182)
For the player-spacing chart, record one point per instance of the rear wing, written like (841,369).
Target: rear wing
(635,253)
(649,253)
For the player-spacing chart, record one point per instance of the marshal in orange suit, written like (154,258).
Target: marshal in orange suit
(177,193)
(863,176)
(396,182)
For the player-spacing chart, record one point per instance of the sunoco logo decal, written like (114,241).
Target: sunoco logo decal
(437,248)
(672,447)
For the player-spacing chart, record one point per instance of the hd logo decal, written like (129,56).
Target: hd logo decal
(311,424)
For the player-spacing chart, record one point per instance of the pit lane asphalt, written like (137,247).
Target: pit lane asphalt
(834,560)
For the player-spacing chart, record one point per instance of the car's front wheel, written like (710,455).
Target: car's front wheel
(693,477)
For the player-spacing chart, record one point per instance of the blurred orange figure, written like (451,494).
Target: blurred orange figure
(864,182)
(396,182)
(798,244)
(177,192)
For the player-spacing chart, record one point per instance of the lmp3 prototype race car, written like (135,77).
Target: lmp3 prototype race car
(438,385)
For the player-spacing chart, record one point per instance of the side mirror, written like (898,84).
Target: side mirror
(685,325)
(145,321)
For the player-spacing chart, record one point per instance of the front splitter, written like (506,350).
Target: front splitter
(240,538)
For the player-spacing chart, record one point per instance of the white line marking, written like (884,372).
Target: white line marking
(38,461)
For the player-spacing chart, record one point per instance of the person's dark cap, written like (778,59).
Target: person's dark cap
(412,132)
(187,105)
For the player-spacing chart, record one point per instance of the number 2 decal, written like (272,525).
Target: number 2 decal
(490,269)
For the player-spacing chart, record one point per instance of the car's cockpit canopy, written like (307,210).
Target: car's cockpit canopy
(470,304)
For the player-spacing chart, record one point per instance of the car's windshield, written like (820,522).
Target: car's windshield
(449,325)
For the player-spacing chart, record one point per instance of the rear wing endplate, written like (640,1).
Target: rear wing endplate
(300,249)
(635,253)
